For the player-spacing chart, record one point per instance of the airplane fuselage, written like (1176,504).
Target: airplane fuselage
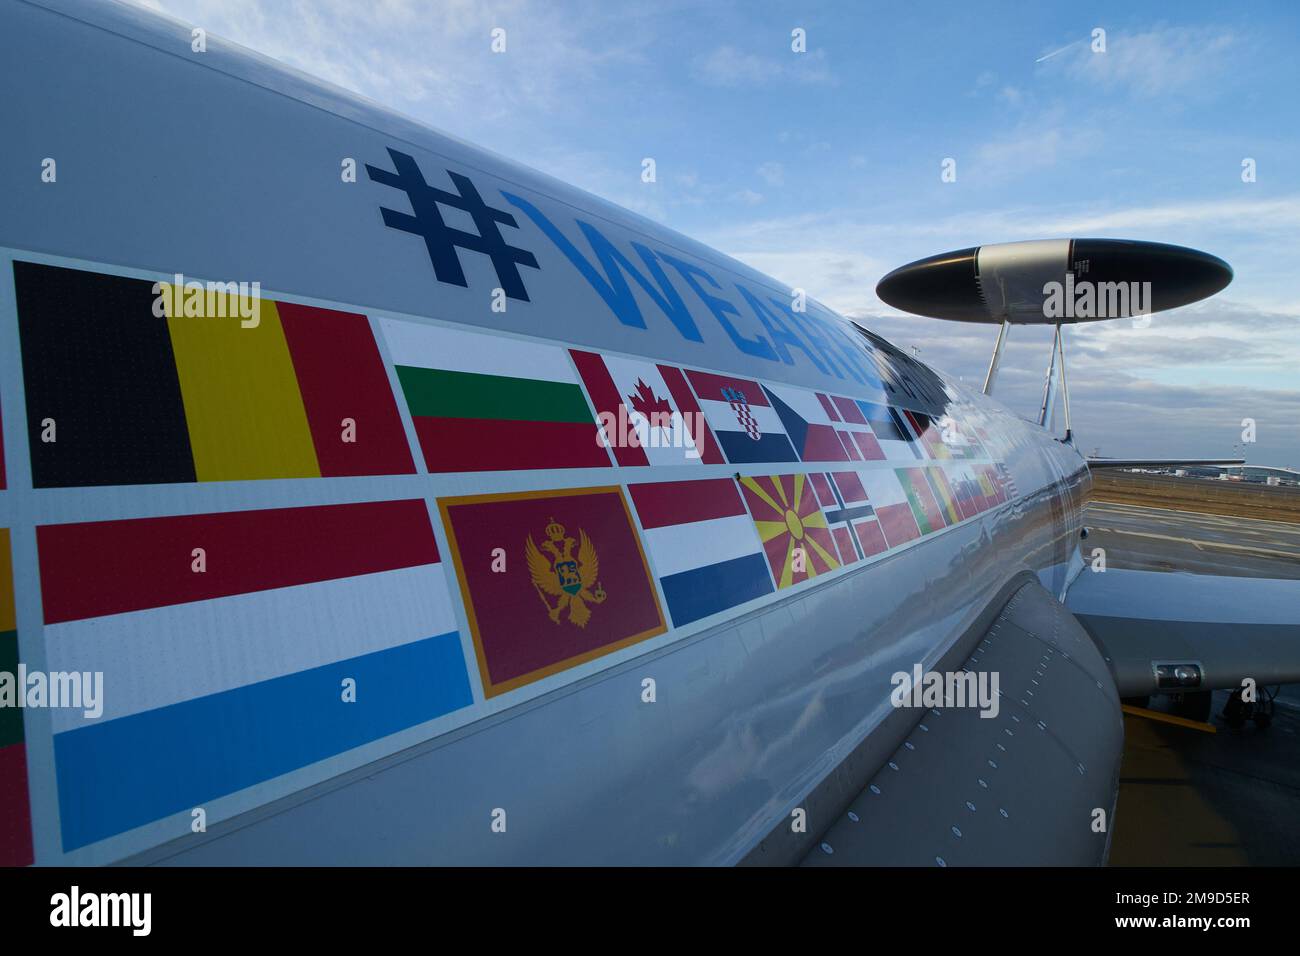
(504,525)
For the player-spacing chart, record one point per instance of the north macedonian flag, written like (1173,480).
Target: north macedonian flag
(792,527)
(551,579)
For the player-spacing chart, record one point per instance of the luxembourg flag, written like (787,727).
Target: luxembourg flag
(649,413)
(747,426)
(703,545)
(227,643)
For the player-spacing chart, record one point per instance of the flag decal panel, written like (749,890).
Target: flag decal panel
(228,642)
(649,415)
(703,544)
(482,402)
(550,580)
(123,388)
(747,427)
(15,812)
(796,536)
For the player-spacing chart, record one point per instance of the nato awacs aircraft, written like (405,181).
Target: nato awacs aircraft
(372,499)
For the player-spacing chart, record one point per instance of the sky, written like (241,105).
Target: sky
(823,168)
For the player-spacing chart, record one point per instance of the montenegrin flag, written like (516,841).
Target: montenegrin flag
(795,534)
(550,579)
(492,403)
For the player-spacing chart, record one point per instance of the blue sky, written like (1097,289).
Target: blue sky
(823,168)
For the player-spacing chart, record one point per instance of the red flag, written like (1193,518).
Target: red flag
(570,582)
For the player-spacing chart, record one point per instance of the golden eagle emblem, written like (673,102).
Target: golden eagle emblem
(558,574)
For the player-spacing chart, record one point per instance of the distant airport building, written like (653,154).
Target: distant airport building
(1254,474)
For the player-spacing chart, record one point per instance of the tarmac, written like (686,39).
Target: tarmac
(1189,797)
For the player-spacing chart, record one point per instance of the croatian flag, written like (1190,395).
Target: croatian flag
(747,426)
(703,545)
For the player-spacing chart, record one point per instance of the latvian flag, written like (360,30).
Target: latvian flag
(228,643)
(851,516)
(747,426)
(885,492)
(491,403)
(655,417)
(703,545)
(820,430)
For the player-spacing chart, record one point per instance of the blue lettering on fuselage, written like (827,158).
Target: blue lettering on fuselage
(827,347)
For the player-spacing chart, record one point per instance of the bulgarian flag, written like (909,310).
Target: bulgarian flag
(490,403)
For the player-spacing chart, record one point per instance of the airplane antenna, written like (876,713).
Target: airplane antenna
(1047,384)
(997,357)
(1065,385)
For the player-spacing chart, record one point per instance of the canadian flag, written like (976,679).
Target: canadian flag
(647,413)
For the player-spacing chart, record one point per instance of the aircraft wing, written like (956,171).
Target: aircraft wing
(1208,626)
(1165,632)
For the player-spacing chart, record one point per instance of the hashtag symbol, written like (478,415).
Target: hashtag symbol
(441,240)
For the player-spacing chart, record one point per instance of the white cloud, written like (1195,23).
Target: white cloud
(437,57)
(772,173)
(729,66)
(1154,63)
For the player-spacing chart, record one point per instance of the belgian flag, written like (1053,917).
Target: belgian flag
(119,396)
